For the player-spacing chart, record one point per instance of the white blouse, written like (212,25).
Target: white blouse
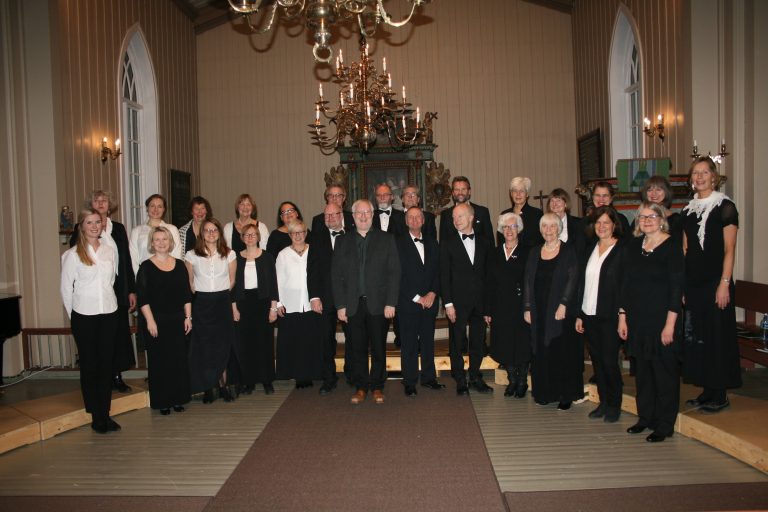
(87,289)
(592,279)
(139,243)
(292,280)
(229,229)
(211,273)
(250,277)
(564,233)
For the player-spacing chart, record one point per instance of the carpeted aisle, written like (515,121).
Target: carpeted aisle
(322,453)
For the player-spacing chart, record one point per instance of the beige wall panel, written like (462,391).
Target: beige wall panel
(500,77)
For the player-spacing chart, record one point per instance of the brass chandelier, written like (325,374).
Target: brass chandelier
(367,106)
(321,15)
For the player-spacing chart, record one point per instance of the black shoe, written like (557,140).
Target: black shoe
(636,428)
(655,437)
(179,408)
(269,388)
(410,391)
(698,401)
(247,389)
(563,406)
(714,407)
(326,388)
(165,412)
(208,397)
(597,413)
(99,426)
(480,386)
(119,385)
(510,390)
(541,402)
(462,390)
(433,384)
(225,394)
(520,391)
(113,426)
(612,414)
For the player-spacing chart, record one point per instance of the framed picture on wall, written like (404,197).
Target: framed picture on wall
(397,175)
(180,193)
(590,148)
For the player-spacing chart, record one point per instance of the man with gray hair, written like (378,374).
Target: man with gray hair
(411,197)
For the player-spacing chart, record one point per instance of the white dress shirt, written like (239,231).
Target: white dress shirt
(139,243)
(292,280)
(592,279)
(106,238)
(229,229)
(334,237)
(87,289)
(384,218)
(211,273)
(250,276)
(420,248)
(564,234)
(469,246)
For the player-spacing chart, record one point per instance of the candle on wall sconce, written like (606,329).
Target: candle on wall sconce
(657,129)
(109,153)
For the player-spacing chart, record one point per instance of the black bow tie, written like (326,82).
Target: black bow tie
(471,237)
(418,240)
(337,233)
(388,212)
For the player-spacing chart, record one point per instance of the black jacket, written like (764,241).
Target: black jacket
(418,278)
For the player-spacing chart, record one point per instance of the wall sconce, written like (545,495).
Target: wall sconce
(107,152)
(717,158)
(657,129)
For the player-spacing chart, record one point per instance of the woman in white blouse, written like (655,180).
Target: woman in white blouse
(247,213)
(87,278)
(139,241)
(599,300)
(299,353)
(211,267)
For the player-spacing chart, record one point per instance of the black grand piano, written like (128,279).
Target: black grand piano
(10,321)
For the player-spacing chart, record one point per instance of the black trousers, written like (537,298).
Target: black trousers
(365,332)
(658,391)
(472,316)
(328,340)
(417,331)
(95,337)
(604,344)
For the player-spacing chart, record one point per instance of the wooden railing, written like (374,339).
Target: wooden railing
(55,347)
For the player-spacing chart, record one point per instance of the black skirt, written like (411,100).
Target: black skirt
(254,340)
(212,338)
(168,368)
(299,351)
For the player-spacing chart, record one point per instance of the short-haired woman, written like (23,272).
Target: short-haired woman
(165,302)
(519,192)
(246,213)
(140,235)
(658,190)
(87,277)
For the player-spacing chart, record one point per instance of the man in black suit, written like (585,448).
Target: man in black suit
(321,293)
(461,192)
(411,197)
(365,273)
(418,304)
(387,218)
(334,194)
(463,260)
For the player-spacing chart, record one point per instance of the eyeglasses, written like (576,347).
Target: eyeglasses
(336,196)
(210,231)
(513,227)
(410,194)
(363,213)
(643,218)
(294,233)
(250,235)
(286,212)
(332,214)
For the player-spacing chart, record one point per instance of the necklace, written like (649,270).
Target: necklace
(299,252)
(554,248)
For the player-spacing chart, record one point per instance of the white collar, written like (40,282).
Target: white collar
(702,208)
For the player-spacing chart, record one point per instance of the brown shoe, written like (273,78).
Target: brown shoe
(358,397)
(378,396)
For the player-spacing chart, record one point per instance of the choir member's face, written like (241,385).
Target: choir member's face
(288,213)
(649,220)
(211,232)
(414,219)
(702,178)
(383,197)
(557,206)
(462,219)
(604,227)
(101,205)
(363,216)
(160,243)
(91,227)
(245,209)
(549,230)
(461,192)
(601,197)
(332,217)
(251,237)
(410,198)
(655,194)
(509,230)
(519,196)
(335,195)
(199,212)
(156,210)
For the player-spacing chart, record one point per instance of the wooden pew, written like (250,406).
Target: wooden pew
(753,298)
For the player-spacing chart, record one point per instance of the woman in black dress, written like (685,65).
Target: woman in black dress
(246,213)
(165,301)
(519,191)
(650,304)
(299,354)
(551,278)
(559,203)
(200,211)
(510,335)
(254,305)
(710,225)
(658,190)
(279,239)
(598,300)
(211,267)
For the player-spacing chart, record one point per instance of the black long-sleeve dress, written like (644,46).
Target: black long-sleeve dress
(278,240)
(166,293)
(510,334)
(254,340)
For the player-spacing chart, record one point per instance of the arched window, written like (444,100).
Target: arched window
(138,111)
(626,90)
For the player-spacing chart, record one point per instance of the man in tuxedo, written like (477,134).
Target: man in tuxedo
(461,192)
(463,260)
(365,274)
(411,198)
(387,218)
(320,292)
(418,303)
(334,194)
